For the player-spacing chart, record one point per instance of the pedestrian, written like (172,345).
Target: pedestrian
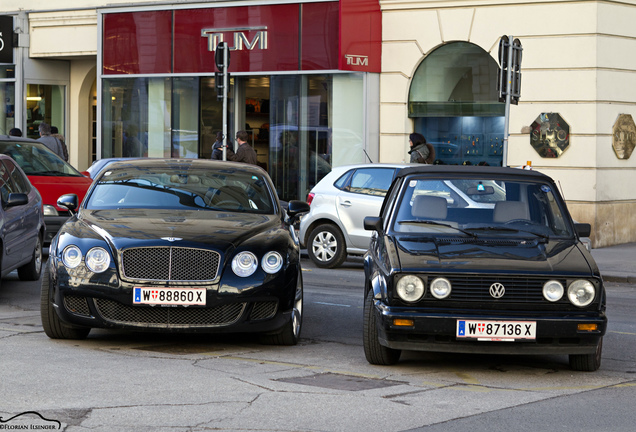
(421,151)
(245,153)
(50,141)
(55,133)
(217,147)
(15,132)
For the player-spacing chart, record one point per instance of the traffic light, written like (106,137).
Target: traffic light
(512,62)
(218,84)
(219,56)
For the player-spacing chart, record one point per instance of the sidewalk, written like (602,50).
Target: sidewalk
(617,263)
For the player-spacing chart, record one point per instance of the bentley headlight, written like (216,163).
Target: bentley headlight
(244,264)
(553,290)
(72,256)
(581,292)
(97,260)
(410,288)
(272,262)
(440,288)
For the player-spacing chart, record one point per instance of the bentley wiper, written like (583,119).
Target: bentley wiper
(431,222)
(508,229)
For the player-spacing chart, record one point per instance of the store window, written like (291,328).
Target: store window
(45,103)
(7,94)
(454,103)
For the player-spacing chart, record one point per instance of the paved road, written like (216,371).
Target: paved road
(121,381)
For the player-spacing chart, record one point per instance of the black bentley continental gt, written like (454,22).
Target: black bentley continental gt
(176,245)
(497,269)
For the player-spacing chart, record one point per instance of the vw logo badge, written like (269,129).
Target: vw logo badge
(497,290)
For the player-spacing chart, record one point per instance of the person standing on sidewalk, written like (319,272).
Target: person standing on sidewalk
(50,141)
(245,153)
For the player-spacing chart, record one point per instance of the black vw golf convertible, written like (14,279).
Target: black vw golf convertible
(176,245)
(497,268)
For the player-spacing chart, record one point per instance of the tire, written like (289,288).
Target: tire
(289,334)
(326,246)
(587,362)
(375,353)
(31,271)
(53,326)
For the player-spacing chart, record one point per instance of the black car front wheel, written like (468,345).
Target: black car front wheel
(587,362)
(326,246)
(53,326)
(375,353)
(289,334)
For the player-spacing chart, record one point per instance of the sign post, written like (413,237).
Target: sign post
(222,59)
(509,82)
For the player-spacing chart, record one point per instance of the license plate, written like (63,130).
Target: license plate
(169,296)
(502,331)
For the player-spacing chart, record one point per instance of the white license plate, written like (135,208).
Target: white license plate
(503,331)
(169,296)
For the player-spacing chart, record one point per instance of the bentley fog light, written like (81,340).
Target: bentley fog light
(581,292)
(272,262)
(553,290)
(410,288)
(244,264)
(440,288)
(72,256)
(97,260)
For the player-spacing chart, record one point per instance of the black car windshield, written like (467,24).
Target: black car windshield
(37,160)
(481,207)
(184,189)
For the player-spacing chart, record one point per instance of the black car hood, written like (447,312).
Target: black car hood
(219,230)
(493,256)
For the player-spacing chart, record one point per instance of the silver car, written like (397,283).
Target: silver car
(333,228)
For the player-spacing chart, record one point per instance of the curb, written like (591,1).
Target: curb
(619,279)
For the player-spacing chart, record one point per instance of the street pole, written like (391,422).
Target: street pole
(508,97)
(225,85)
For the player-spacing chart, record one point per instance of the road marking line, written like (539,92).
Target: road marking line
(625,333)
(333,304)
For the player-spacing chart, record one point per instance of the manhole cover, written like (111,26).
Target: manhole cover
(341,382)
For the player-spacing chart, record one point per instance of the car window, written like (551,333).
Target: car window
(6,186)
(36,159)
(343,181)
(434,205)
(20,182)
(190,189)
(371,181)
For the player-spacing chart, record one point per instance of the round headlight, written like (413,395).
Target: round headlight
(410,288)
(97,260)
(581,292)
(244,264)
(272,262)
(440,288)
(553,290)
(72,256)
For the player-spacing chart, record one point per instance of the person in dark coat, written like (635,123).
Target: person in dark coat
(421,151)
(217,147)
(245,153)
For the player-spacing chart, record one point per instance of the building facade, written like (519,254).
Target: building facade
(326,83)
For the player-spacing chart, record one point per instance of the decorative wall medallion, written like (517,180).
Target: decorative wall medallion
(550,135)
(624,136)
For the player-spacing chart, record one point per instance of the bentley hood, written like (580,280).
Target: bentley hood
(493,256)
(139,227)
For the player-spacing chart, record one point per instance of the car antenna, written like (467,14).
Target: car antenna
(365,152)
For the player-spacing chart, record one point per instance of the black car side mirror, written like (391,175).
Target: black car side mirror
(296,208)
(17,199)
(373,223)
(583,229)
(68,201)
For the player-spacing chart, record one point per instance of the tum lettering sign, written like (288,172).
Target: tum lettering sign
(240,40)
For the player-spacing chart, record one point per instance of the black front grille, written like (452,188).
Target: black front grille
(165,263)
(477,288)
(168,316)
(76,305)
(263,310)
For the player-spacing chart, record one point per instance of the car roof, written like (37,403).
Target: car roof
(471,170)
(194,163)
(19,139)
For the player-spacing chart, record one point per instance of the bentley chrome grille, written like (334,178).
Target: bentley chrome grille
(169,263)
(154,316)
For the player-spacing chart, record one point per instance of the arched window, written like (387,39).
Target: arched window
(454,103)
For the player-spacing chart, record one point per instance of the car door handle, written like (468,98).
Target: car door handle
(346,203)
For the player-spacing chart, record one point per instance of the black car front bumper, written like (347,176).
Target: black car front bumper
(556,333)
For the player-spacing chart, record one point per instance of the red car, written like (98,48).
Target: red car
(50,175)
